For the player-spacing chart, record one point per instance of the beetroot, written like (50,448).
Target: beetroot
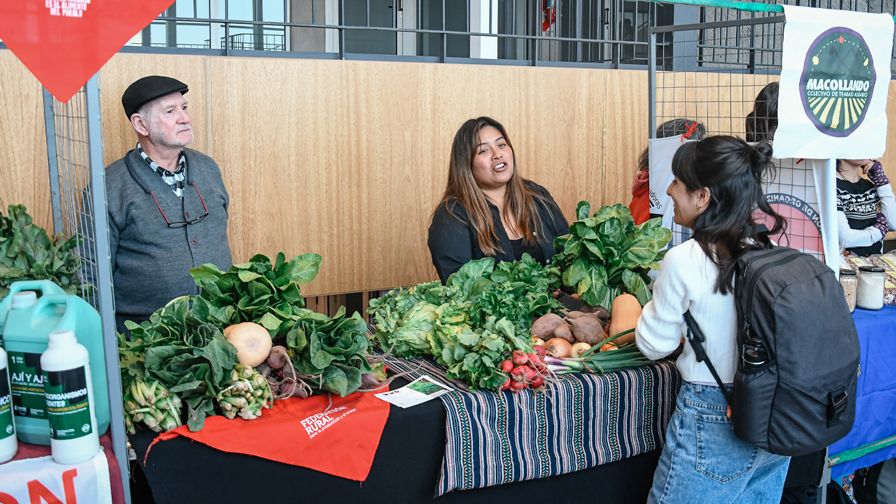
(278,357)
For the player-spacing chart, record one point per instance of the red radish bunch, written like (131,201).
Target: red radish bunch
(525,370)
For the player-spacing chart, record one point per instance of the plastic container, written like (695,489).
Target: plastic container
(871,287)
(29,320)
(849,282)
(8,443)
(69,397)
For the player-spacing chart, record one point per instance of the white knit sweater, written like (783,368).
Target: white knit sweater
(685,282)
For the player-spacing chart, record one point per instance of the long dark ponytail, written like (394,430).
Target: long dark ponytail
(733,171)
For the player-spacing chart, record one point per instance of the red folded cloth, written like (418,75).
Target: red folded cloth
(341,440)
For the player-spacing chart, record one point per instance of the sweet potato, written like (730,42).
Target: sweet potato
(587,328)
(563,331)
(544,327)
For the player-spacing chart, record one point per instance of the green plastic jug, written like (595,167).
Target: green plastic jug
(27,323)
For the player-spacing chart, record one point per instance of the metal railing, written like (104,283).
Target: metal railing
(531,32)
(597,32)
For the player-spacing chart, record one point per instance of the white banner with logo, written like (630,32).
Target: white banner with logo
(804,193)
(834,82)
(43,480)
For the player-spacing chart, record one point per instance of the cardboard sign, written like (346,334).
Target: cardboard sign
(64,42)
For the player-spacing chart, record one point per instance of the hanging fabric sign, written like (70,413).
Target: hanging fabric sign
(834,81)
(64,42)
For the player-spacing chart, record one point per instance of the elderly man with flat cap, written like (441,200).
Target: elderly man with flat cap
(167,204)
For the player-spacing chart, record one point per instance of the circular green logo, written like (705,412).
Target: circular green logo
(837,81)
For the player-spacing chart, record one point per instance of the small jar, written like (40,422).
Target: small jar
(870,292)
(848,281)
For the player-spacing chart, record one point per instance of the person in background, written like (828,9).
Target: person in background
(167,204)
(488,208)
(866,207)
(762,121)
(640,203)
(716,188)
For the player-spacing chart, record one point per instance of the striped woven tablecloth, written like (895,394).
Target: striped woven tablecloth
(577,422)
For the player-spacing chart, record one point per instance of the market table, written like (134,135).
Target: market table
(875,391)
(409,467)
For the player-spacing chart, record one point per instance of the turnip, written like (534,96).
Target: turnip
(544,327)
(252,342)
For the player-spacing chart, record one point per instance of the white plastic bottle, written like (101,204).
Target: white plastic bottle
(8,443)
(69,393)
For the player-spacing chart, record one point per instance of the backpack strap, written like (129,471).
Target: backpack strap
(696,338)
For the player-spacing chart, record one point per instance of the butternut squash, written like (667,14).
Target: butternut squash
(624,315)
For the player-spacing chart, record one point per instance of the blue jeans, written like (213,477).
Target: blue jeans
(703,461)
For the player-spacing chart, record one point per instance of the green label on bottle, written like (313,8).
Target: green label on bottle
(27,383)
(68,406)
(6,421)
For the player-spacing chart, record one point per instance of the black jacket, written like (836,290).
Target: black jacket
(452,239)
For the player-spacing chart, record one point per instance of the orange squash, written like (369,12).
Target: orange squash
(624,315)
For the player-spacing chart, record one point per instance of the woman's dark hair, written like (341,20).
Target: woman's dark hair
(674,127)
(762,122)
(733,171)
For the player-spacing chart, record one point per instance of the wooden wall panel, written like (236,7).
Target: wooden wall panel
(348,158)
(23,145)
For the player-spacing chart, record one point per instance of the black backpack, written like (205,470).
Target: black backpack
(798,353)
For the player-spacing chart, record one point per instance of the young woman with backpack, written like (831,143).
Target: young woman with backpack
(717,187)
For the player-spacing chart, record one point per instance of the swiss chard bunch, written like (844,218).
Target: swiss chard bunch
(330,353)
(606,253)
(186,354)
(27,252)
(257,291)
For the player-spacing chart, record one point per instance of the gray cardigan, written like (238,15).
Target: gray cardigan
(150,261)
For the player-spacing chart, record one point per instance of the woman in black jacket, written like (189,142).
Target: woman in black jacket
(488,209)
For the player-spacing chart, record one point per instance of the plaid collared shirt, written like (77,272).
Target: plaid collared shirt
(176,179)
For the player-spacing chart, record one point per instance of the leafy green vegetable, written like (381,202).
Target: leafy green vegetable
(257,291)
(182,344)
(28,253)
(472,323)
(331,349)
(606,254)
(185,353)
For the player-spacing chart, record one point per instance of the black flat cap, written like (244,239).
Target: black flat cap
(147,89)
